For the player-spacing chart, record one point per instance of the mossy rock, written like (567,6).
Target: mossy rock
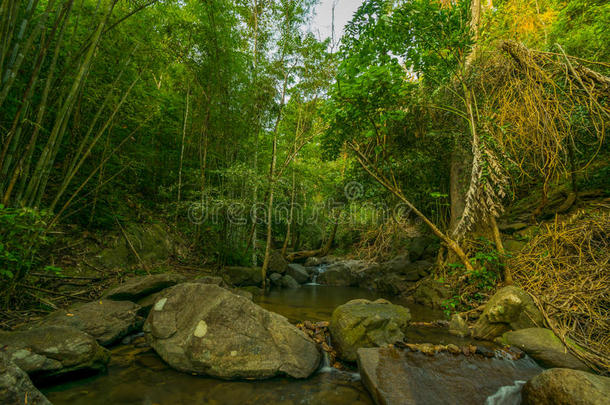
(543,346)
(510,308)
(560,386)
(362,323)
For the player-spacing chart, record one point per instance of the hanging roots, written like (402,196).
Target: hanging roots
(567,269)
(545,104)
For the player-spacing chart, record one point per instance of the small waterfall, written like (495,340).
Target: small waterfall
(507,395)
(314,279)
(325,367)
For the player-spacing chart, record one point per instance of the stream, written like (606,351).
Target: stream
(137,376)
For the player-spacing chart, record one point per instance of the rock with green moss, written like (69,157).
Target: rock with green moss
(52,351)
(431,293)
(561,386)
(362,323)
(510,308)
(16,387)
(543,346)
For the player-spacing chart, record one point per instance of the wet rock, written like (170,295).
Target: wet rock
(510,308)
(275,279)
(560,386)
(243,276)
(139,287)
(362,323)
(53,351)
(338,275)
(205,329)
(106,320)
(16,387)
(543,346)
(289,282)
(458,326)
(298,272)
(277,263)
(400,377)
(431,293)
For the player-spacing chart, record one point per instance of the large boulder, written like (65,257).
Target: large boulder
(298,272)
(107,321)
(339,275)
(140,287)
(243,276)
(53,351)
(205,329)
(510,308)
(277,263)
(543,346)
(289,282)
(560,386)
(16,387)
(431,293)
(401,377)
(362,323)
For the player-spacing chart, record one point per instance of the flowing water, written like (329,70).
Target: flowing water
(137,376)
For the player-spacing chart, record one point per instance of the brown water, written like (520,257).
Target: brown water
(137,376)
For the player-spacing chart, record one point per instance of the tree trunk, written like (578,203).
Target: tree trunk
(287,238)
(324,249)
(451,244)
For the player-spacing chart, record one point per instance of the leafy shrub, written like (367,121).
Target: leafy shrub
(22,235)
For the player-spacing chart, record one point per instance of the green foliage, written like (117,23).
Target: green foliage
(22,236)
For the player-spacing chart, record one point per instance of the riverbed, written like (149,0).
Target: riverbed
(137,376)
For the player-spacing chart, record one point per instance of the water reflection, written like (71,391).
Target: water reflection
(317,302)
